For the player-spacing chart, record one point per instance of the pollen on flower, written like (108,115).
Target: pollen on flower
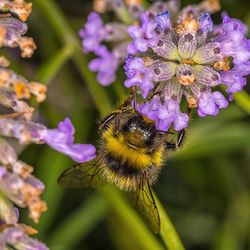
(192,102)
(189,25)
(4,76)
(147,61)
(133,2)
(22,169)
(37,207)
(223,64)
(19,7)
(2,35)
(27,46)
(187,78)
(211,6)
(22,9)
(21,90)
(39,90)
(99,6)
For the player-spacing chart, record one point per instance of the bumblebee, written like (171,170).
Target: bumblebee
(131,154)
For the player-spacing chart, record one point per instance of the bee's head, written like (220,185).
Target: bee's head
(138,132)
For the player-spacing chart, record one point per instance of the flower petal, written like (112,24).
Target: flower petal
(207,76)
(163,71)
(62,139)
(187,46)
(207,54)
(166,49)
(163,21)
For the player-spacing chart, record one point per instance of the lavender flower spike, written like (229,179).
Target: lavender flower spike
(18,239)
(143,36)
(62,139)
(105,65)
(187,58)
(115,36)
(93,33)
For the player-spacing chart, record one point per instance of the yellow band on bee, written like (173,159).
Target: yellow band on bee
(137,157)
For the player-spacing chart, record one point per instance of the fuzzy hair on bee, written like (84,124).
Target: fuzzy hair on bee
(130,154)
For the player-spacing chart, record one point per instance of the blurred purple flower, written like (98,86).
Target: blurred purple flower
(93,33)
(62,140)
(138,74)
(164,113)
(210,103)
(143,35)
(15,238)
(105,65)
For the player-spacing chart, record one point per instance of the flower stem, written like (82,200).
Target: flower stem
(78,224)
(168,232)
(243,100)
(49,69)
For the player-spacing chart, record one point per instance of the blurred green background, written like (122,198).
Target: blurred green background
(205,188)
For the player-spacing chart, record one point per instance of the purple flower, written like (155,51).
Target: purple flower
(188,57)
(93,33)
(143,35)
(234,82)
(24,190)
(233,40)
(138,75)
(210,103)
(163,21)
(62,140)
(164,114)
(18,239)
(105,65)
(11,35)
(130,18)
(205,23)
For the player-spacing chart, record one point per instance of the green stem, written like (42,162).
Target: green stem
(49,69)
(168,232)
(243,100)
(78,224)
(123,14)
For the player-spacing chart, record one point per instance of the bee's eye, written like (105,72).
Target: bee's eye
(125,127)
(149,138)
(131,124)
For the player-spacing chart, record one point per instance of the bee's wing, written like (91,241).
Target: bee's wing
(145,201)
(82,175)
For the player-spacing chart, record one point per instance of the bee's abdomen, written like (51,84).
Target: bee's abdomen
(126,176)
(121,168)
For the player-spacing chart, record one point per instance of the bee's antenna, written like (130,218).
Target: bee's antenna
(166,132)
(133,94)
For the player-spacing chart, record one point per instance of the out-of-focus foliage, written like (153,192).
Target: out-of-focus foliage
(205,186)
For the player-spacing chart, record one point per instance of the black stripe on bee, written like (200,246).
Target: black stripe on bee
(122,169)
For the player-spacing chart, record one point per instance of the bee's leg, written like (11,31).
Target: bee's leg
(133,94)
(181,136)
(180,139)
(108,119)
(131,98)
(117,124)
